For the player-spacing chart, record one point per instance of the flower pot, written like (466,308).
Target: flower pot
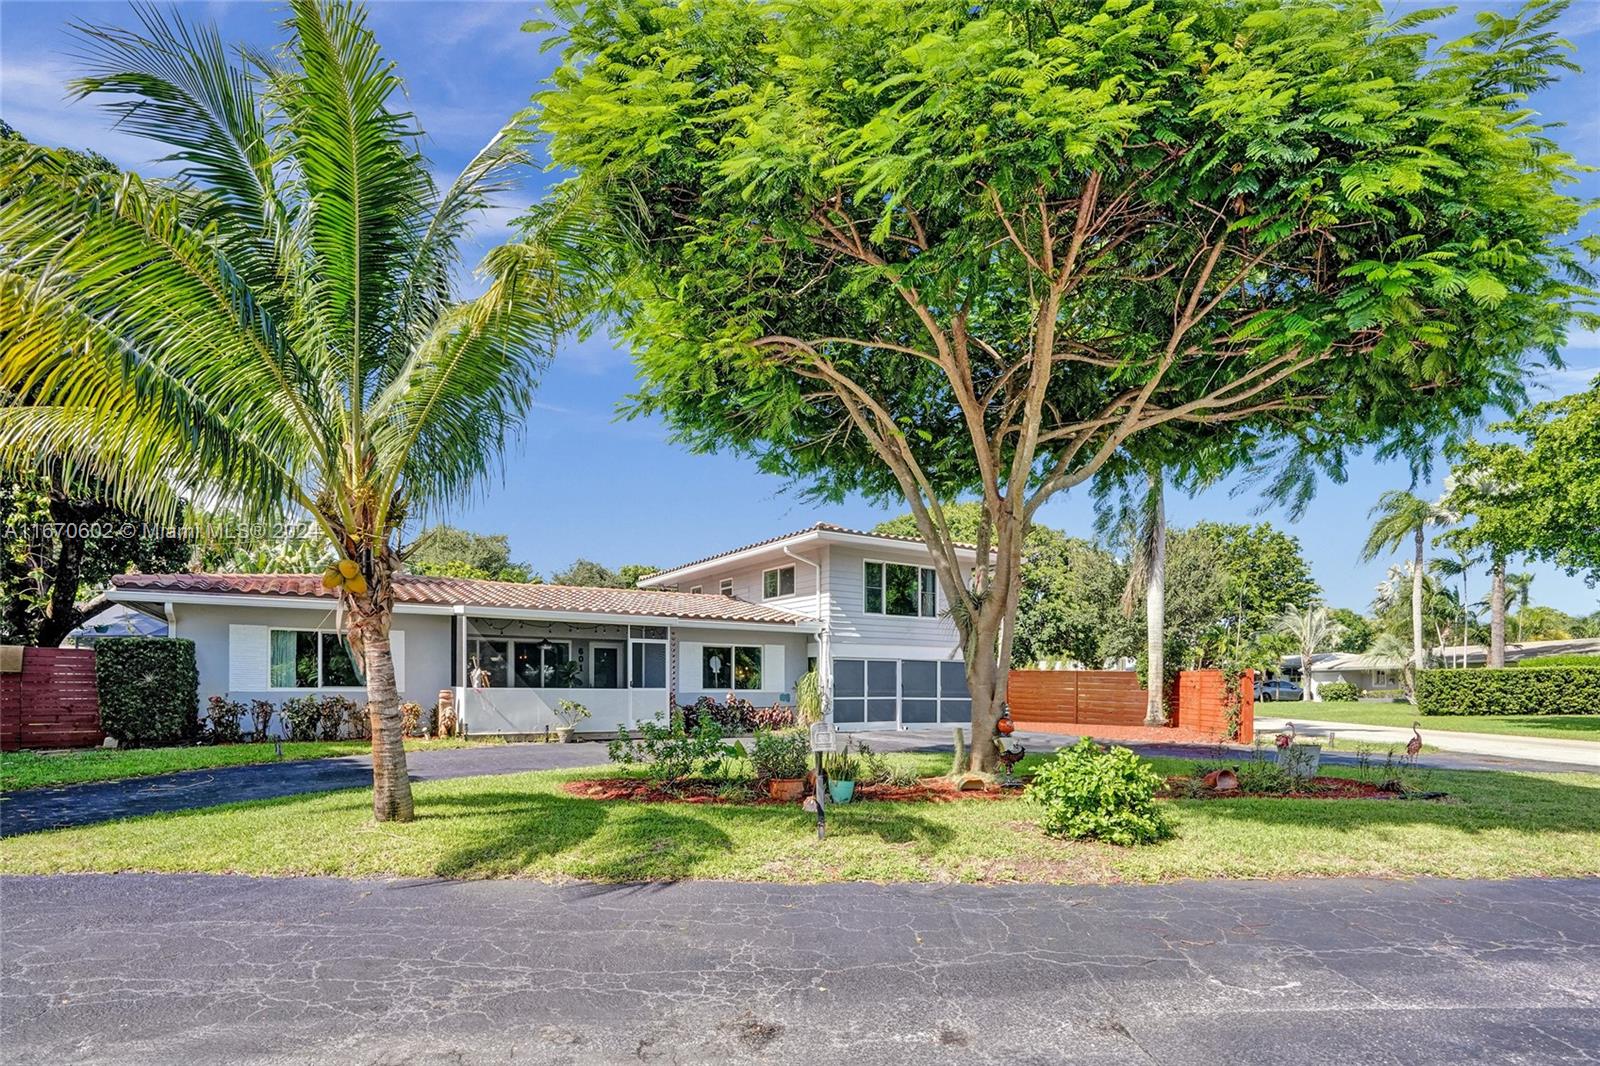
(841,791)
(563,734)
(786,789)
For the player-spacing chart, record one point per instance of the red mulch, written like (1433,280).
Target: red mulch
(1124,734)
(1322,788)
(928,790)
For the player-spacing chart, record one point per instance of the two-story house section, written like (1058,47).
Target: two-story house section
(887,651)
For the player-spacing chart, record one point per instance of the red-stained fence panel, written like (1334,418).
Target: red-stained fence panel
(52,703)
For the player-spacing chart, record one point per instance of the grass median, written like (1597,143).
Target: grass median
(1401,715)
(527,825)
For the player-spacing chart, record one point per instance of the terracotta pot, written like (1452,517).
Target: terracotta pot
(787,789)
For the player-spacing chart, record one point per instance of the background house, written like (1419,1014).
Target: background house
(1367,674)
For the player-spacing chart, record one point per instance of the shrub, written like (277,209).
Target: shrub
(411,719)
(1384,693)
(303,715)
(261,714)
(775,717)
(875,768)
(738,715)
(149,689)
(1103,795)
(1338,691)
(1508,690)
(671,753)
(782,754)
(570,713)
(224,720)
(344,717)
(1542,661)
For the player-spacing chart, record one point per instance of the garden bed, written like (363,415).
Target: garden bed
(639,790)
(1180,786)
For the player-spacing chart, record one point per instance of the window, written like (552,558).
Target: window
(493,657)
(696,589)
(307,658)
(728,667)
(726,586)
(777,582)
(902,590)
(544,664)
(650,664)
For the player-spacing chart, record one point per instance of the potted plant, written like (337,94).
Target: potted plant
(570,712)
(842,769)
(779,759)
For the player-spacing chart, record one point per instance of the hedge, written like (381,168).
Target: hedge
(1542,662)
(149,689)
(1338,691)
(1510,690)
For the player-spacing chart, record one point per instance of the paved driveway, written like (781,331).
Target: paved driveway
(1555,750)
(135,969)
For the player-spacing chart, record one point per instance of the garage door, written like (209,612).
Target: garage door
(899,693)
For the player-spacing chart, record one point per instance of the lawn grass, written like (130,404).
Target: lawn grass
(525,825)
(1547,726)
(32,769)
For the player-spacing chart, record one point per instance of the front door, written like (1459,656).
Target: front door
(606,666)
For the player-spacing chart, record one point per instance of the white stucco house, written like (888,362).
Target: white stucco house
(1367,673)
(865,609)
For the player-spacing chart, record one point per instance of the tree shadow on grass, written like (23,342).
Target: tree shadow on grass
(652,843)
(893,823)
(520,829)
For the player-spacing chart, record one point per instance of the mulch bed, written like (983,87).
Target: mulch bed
(1324,788)
(928,790)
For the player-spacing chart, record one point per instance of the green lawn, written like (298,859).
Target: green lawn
(32,769)
(1495,825)
(1550,726)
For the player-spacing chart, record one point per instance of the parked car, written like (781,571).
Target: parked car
(1278,689)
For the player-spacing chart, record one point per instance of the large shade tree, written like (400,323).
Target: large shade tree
(279,330)
(930,248)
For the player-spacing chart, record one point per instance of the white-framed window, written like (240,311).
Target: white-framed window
(524,663)
(779,581)
(900,590)
(725,587)
(696,589)
(311,658)
(730,667)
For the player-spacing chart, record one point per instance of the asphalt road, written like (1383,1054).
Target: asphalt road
(135,969)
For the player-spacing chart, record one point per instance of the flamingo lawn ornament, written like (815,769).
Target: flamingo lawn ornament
(1414,745)
(1284,739)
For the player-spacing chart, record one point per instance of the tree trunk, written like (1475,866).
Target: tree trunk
(1497,614)
(391,786)
(1155,607)
(1306,652)
(983,683)
(1419,656)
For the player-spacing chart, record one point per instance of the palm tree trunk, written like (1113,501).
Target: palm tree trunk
(1155,606)
(391,785)
(1417,653)
(1497,614)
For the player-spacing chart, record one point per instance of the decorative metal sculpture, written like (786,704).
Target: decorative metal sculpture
(1011,753)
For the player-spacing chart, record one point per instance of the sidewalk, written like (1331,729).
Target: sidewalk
(1533,749)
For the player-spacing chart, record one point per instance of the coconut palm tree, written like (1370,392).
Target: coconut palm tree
(1402,516)
(1147,576)
(1389,652)
(278,332)
(1457,566)
(1519,589)
(1312,629)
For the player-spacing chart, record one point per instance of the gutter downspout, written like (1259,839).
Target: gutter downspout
(824,660)
(172,618)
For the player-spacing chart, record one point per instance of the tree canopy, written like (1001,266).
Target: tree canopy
(588,573)
(450,552)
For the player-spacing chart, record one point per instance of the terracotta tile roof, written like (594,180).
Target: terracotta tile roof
(820,527)
(449,591)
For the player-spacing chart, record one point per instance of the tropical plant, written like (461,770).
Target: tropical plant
(921,249)
(446,551)
(1401,516)
(780,753)
(1109,795)
(1389,651)
(1147,580)
(278,332)
(808,697)
(1519,590)
(1313,629)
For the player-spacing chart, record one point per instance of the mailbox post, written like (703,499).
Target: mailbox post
(824,741)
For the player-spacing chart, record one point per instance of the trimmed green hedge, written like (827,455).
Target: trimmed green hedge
(1338,691)
(149,689)
(1510,690)
(1558,660)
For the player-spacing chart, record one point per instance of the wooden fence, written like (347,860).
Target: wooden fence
(1051,699)
(52,703)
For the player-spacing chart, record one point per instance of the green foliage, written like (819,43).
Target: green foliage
(1103,795)
(1338,691)
(224,722)
(669,754)
(1528,690)
(842,765)
(808,698)
(1267,575)
(1544,661)
(149,690)
(571,712)
(1355,630)
(781,753)
(329,717)
(590,574)
(446,551)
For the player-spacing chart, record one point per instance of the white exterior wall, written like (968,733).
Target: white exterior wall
(854,632)
(777,678)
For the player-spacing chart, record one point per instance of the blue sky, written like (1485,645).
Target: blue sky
(583,483)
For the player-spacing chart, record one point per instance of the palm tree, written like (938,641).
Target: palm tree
(1402,516)
(278,333)
(1497,610)
(1312,629)
(1459,566)
(1147,576)
(1389,652)
(1519,588)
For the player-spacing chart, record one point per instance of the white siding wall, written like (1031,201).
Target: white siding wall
(747,584)
(848,621)
(783,661)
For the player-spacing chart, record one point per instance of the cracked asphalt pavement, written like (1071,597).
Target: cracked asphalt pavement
(193,969)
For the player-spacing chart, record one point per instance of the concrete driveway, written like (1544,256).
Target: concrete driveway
(137,969)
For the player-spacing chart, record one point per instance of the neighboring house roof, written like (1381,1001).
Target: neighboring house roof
(1476,654)
(466,592)
(116,620)
(825,531)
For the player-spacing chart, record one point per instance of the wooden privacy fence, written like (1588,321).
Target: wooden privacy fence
(52,702)
(1051,699)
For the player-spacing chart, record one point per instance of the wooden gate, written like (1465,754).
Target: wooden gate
(1075,697)
(52,702)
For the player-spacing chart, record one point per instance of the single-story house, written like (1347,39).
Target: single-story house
(864,609)
(1365,673)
